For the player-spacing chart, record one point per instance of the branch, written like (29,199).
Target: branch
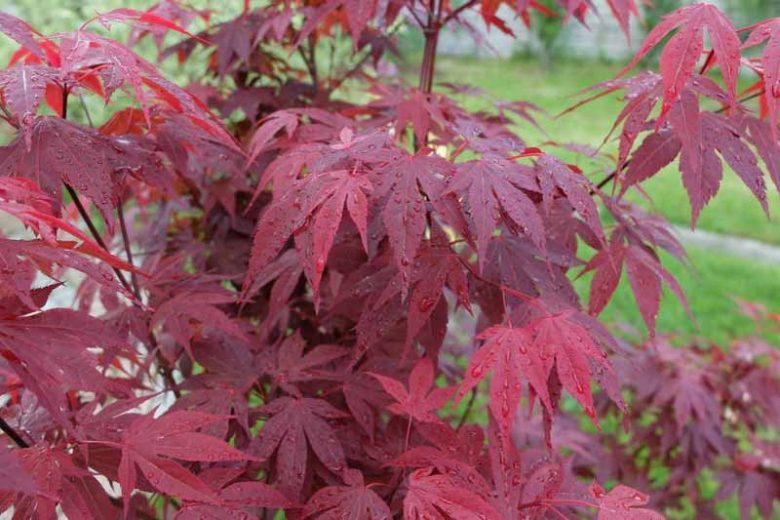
(8,117)
(94,232)
(417,18)
(310,61)
(454,14)
(126,241)
(135,289)
(469,406)
(13,434)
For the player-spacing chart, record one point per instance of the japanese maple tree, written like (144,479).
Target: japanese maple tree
(270,283)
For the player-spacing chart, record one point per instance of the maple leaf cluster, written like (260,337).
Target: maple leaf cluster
(286,301)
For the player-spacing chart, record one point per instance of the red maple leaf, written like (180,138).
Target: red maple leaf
(493,191)
(353,501)
(622,503)
(407,183)
(22,32)
(436,497)
(558,340)
(422,399)
(682,52)
(236,497)
(768,31)
(150,445)
(293,425)
(13,477)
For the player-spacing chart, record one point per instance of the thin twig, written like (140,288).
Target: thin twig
(8,117)
(310,60)
(83,211)
(125,239)
(13,434)
(464,417)
(94,232)
(128,252)
(454,14)
(166,370)
(86,111)
(416,18)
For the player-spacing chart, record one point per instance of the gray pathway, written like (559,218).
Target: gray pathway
(730,245)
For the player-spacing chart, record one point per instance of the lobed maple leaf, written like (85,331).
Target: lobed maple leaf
(186,314)
(704,140)
(63,485)
(56,151)
(291,366)
(293,425)
(314,240)
(150,445)
(14,477)
(23,257)
(419,402)
(406,183)
(236,497)
(622,502)
(168,10)
(768,31)
(756,487)
(51,349)
(23,88)
(311,209)
(437,267)
(139,20)
(494,187)
(681,54)
(557,341)
(631,247)
(21,32)
(436,497)
(356,501)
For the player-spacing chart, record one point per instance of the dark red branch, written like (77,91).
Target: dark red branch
(13,434)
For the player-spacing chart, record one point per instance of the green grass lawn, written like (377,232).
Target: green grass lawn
(713,278)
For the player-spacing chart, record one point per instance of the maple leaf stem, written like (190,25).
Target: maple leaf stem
(94,232)
(165,368)
(83,211)
(467,412)
(86,111)
(13,434)
(408,434)
(310,61)
(128,252)
(120,211)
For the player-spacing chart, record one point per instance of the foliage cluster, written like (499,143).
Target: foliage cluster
(279,290)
